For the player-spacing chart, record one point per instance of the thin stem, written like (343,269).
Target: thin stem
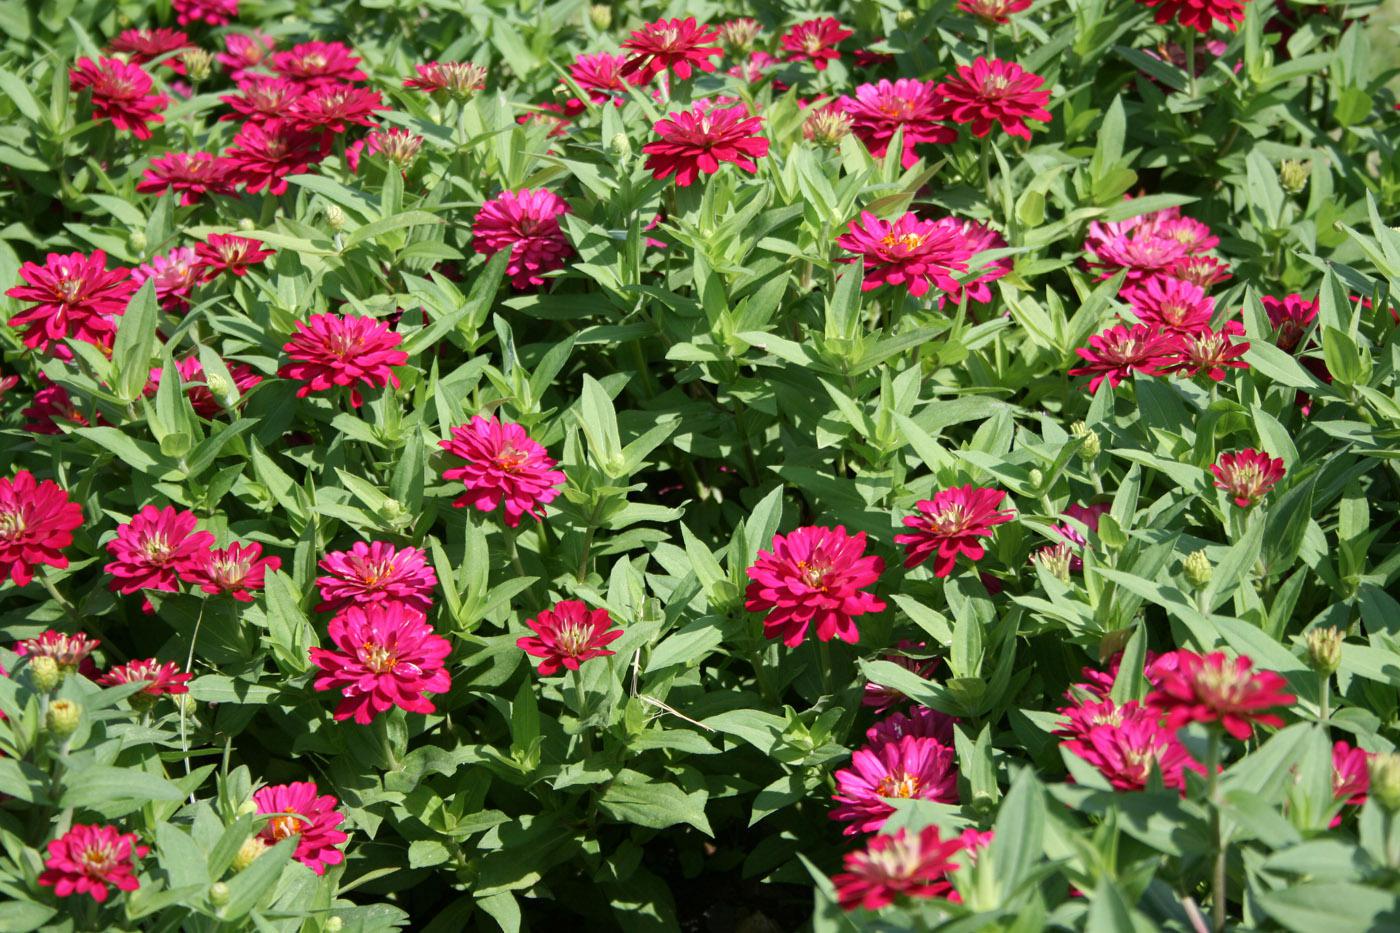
(184,704)
(585,735)
(513,551)
(582,575)
(1324,703)
(824,662)
(57,597)
(986,162)
(1218,900)
(1191,61)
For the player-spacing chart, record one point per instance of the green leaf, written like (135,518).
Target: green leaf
(634,798)
(1018,843)
(101,784)
(252,884)
(135,343)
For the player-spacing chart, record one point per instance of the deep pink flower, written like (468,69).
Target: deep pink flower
(330,350)
(263,156)
(226,252)
(527,223)
(1247,475)
(881,697)
(814,576)
(1351,776)
(976,238)
(313,64)
(1199,15)
(237,570)
(243,52)
(699,139)
(1290,316)
(1144,254)
(503,466)
(160,679)
(72,296)
(815,40)
(86,859)
(1170,304)
(175,275)
(334,108)
(680,45)
(1212,689)
(901,865)
(879,109)
(50,405)
(298,809)
(1171,224)
(37,520)
(950,524)
(913,767)
(459,79)
(376,572)
(920,722)
(155,550)
(1209,352)
(388,656)
(910,252)
(753,68)
(262,99)
(1205,271)
(1119,351)
(72,653)
(1128,744)
(209,12)
(600,75)
(197,390)
(996,12)
(142,45)
(991,91)
(568,635)
(193,174)
(120,93)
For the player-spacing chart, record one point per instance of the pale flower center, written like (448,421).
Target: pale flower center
(812,43)
(98,859)
(951,520)
(69,288)
(903,785)
(11,525)
(814,574)
(378,658)
(573,638)
(511,459)
(156,547)
(900,859)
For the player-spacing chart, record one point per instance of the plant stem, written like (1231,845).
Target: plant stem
(986,161)
(582,575)
(513,551)
(1191,62)
(1218,901)
(189,669)
(1324,702)
(585,736)
(824,662)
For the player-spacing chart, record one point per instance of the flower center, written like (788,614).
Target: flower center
(814,575)
(156,547)
(900,859)
(812,44)
(228,571)
(1223,685)
(314,62)
(904,785)
(378,658)
(70,288)
(511,459)
(951,520)
(573,638)
(12,525)
(897,108)
(995,86)
(285,825)
(98,859)
(1138,762)
(908,242)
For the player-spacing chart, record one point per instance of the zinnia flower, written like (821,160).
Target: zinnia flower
(376,572)
(814,576)
(244,51)
(950,524)
(86,859)
(299,810)
(237,570)
(262,99)
(879,109)
(976,238)
(1127,742)
(1351,776)
(920,722)
(1170,304)
(1199,15)
(51,405)
(313,64)
(1290,316)
(600,75)
(815,40)
(142,45)
(1247,475)
(881,697)
(901,865)
(527,223)
(193,174)
(1205,271)
(175,275)
(1119,351)
(1212,689)
(225,252)
(334,108)
(991,91)
(388,656)
(459,79)
(155,550)
(503,466)
(568,635)
(913,767)
(263,156)
(330,350)
(37,520)
(1209,352)
(680,45)
(910,252)
(699,139)
(160,679)
(72,296)
(994,12)
(120,93)
(209,12)
(198,391)
(72,653)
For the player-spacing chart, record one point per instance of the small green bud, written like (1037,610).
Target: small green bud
(905,18)
(1325,649)
(1385,779)
(198,63)
(1197,568)
(600,15)
(1091,447)
(137,241)
(1293,175)
(335,217)
(218,386)
(620,146)
(334,925)
(393,510)
(44,673)
(1056,560)
(247,808)
(246,223)
(1035,478)
(63,718)
(218,894)
(252,849)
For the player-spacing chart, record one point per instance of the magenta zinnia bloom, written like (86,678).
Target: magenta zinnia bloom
(225,252)
(460,79)
(209,12)
(600,75)
(86,859)
(72,653)
(950,524)
(160,679)
(1127,742)
(910,252)
(244,51)
(1290,316)
(197,390)
(237,570)
(263,156)
(678,44)
(387,656)
(901,865)
(142,45)
(192,174)
(699,139)
(814,576)
(1199,15)
(1170,304)
(262,99)
(1212,689)
(299,810)
(313,64)
(527,223)
(73,296)
(376,572)
(1351,777)
(504,465)
(1118,351)
(1247,475)
(330,350)
(175,275)
(51,405)
(155,550)
(1205,271)
(120,93)
(913,767)
(996,12)
(881,697)
(920,722)
(568,635)
(878,110)
(334,108)
(815,40)
(991,91)
(976,238)
(37,520)
(1209,352)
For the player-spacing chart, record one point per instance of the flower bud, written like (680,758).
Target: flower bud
(252,849)
(335,217)
(1385,779)
(1091,447)
(218,894)
(44,673)
(334,925)
(137,241)
(905,18)
(218,386)
(1293,175)
(1035,478)
(600,15)
(1325,649)
(827,126)
(400,147)
(198,63)
(392,510)
(63,718)
(1056,560)
(246,223)
(620,146)
(1197,569)
(738,35)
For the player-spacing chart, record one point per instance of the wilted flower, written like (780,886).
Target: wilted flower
(951,523)
(386,655)
(989,92)
(161,679)
(330,350)
(376,572)
(37,520)
(1212,688)
(698,140)
(899,865)
(814,576)
(568,635)
(121,93)
(299,810)
(912,767)
(527,223)
(503,466)
(86,859)
(1247,475)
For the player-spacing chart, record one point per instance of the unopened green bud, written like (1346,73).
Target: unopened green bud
(392,510)
(252,849)
(1385,779)
(44,673)
(1056,559)
(218,386)
(198,63)
(218,894)
(1325,649)
(246,223)
(621,146)
(335,217)
(905,18)
(600,15)
(1035,478)
(334,925)
(1197,569)
(63,718)
(1091,447)
(137,241)
(1293,175)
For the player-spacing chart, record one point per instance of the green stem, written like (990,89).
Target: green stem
(585,735)
(986,162)
(824,662)
(1218,898)
(1324,702)
(184,701)
(1191,62)
(513,551)
(582,575)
